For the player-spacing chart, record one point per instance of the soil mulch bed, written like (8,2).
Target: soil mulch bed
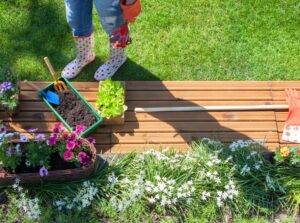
(74,111)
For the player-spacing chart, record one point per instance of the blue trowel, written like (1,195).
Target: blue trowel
(50,96)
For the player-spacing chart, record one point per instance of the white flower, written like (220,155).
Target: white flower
(17,180)
(210,164)
(151,200)
(157,177)
(257,166)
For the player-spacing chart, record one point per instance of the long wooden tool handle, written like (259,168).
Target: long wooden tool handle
(214,108)
(49,65)
(32,85)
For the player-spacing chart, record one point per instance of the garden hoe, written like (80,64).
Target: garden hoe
(58,85)
(291,131)
(50,96)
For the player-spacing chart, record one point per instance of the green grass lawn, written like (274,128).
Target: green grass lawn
(172,40)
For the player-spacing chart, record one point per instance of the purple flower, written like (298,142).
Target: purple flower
(73,136)
(6,86)
(91,140)
(3,129)
(71,145)
(43,171)
(84,158)
(33,130)
(68,155)
(52,140)
(80,129)
(40,137)
(23,138)
(65,136)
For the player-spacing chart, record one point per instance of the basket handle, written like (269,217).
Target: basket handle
(89,144)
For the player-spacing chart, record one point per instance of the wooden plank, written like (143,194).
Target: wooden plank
(179,138)
(281,116)
(194,126)
(50,117)
(144,104)
(103,148)
(197,95)
(43,126)
(172,95)
(197,85)
(201,116)
(126,148)
(40,106)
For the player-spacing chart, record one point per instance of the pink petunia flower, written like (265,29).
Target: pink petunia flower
(73,136)
(79,143)
(65,136)
(80,129)
(68,155)
(52,140)
(71,145)
(43,171)
(84,158)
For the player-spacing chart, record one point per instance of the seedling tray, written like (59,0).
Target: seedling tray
(90,129)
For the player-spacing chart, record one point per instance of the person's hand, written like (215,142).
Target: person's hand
(131,9)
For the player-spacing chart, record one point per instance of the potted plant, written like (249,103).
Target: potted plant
(36,157)
(9,93)
(111,99)
(73,109)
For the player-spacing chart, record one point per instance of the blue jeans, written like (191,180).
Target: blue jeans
(79,15)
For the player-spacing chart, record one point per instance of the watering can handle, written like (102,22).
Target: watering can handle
(47,61)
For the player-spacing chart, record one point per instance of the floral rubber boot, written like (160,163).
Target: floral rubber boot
(85,55)
(117,58)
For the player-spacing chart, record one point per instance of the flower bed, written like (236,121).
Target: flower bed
(59,156)
(211,183)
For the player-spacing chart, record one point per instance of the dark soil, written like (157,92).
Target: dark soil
(56,163)
(74,111)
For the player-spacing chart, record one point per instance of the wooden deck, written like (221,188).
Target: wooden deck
(173,129)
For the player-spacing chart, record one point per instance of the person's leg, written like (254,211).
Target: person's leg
(114,25)
(79,17)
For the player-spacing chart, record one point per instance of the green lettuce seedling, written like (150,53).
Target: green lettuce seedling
(110,102)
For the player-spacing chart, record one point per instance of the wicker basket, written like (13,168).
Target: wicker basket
(53,176)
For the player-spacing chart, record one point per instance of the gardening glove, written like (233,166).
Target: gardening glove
(131,10)
(120,36)
(291,131)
